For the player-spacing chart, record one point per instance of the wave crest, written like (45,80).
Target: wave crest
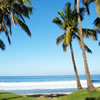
(41,85)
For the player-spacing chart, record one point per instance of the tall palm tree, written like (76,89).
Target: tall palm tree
(68,24)
(14,12)
(89,81)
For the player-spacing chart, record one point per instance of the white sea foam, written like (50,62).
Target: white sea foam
(42,85)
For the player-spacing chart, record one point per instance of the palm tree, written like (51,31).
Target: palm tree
(14,11)
(89,81)
(68,23)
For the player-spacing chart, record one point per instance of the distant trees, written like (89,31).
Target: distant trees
(14,12)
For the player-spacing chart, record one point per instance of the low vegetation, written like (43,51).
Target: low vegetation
(78,95)
(11,96)
(82,95)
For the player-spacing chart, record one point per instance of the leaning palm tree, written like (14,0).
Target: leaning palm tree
(14,12)
(68,24)
(89,81)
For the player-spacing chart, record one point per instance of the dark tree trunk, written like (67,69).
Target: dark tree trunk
(75,69)
(89,82)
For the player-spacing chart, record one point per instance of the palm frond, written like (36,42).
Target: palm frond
(2,45)
(97,22)
(86,47)
(27,11)
(57,21)
(64,46)
(7,35)
(61,14)
(8,22)
(60,39)
(27,2)
(67,10)
(22,25)
(85,2)
(90,33)
(22,10)
(91,1)
(82,12)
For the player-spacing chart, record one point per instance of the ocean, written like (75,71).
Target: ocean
(43,84)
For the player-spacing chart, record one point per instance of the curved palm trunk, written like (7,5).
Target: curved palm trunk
(75,69)
(89,82)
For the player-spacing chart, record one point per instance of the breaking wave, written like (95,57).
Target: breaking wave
(42,85)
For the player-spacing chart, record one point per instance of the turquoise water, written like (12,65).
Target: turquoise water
(43,84)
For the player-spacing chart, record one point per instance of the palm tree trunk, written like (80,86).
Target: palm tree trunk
(75,69)
(12,17)
(89,82)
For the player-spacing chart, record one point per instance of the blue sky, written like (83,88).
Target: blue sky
(39,55)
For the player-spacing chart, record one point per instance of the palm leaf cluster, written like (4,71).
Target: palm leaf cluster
(14,12)
(69,23)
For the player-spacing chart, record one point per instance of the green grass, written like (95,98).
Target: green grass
(82,95)
(78,95)
(11,96)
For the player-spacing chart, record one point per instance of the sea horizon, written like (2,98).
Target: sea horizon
(50,75)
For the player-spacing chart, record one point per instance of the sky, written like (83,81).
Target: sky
(39,54)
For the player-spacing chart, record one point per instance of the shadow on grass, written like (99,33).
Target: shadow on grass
(92,98)
(46,95)
(12,98)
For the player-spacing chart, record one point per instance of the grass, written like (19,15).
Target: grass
(82,95)
(11,96)
(78,95)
